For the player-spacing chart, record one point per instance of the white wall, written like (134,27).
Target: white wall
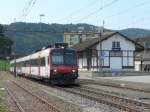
(137,65)
(113,62)
(124,43)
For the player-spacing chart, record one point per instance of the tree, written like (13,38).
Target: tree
(1,31)
(5,44)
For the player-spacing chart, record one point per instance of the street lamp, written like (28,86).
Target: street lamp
(41,15)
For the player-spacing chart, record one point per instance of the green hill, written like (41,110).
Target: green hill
(33,36)
(135,32)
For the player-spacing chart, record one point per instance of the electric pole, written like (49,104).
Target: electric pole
(100,47)
(15,53)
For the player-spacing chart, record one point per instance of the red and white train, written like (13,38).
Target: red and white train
(58,65)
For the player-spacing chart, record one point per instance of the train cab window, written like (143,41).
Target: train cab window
(57,58)
(70,58)
(66,57)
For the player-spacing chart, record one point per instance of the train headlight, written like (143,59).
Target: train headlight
(73,71)
(55,70)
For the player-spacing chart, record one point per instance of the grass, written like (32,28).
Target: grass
(2,93)
(3,107)
(4,65)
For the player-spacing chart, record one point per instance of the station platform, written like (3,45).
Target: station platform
(138,79)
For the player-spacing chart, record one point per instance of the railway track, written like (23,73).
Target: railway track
(116,97)
(17,104)
(36,99)
(86,81)
(122,103)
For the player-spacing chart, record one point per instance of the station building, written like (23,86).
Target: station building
(109,51)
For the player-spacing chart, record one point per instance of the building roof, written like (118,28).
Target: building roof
(145,41)
(88,43)
(142,55)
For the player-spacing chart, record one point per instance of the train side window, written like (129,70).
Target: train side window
(25,63)
(48,60)
(34,62)
(42,60)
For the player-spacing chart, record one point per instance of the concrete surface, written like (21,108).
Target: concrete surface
(141,79)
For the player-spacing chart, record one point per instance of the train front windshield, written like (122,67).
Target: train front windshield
(65,57)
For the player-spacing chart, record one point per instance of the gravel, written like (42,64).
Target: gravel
(86,104)
(145,97)
(68,102)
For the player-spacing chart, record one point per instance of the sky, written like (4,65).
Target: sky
(116,14)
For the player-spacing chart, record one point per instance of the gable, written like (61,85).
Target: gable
(125,44)
(107,36)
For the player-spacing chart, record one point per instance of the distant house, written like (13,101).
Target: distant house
(110,51)
(142,60)
(73,38)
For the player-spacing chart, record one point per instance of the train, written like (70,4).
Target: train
(56,64)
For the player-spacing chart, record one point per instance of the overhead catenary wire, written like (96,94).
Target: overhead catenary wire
(121,12)
(127,10)
(140,20)
(98,10)
(135,22)
(27,9)
(32,5)
(79,10)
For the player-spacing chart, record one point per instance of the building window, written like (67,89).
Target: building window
(147,45)
(116,45)
(116,53)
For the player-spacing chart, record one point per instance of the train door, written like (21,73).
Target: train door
(46,66)
(39,66)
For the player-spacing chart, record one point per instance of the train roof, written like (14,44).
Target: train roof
(40,53)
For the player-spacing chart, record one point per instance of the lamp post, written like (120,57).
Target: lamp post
(41,15)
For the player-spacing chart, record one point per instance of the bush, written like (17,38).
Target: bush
(4,65)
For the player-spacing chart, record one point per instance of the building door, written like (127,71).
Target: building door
(115,63)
